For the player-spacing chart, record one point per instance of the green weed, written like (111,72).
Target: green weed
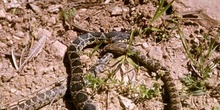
(149,92)
(124,88)
(68,14)
(215,108)
(160,11)
(200,63)
(160,32)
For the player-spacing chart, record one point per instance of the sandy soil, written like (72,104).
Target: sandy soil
(23,24)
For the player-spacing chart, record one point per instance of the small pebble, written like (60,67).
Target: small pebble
(54,8)
(127,103)
(71,34)
(35,8)
(61,48)
(19,34)
(118,10)
(52,20)
(117,29)
(145,45)
(12,4)
(2,45)
(155,52)
(42,32)
(2,13)
(6,77)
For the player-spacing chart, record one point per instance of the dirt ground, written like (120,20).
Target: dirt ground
(24,23)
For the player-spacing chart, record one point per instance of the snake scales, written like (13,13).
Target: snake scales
(78,85)
(153,65)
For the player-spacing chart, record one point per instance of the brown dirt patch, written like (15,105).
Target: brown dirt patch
(23,23)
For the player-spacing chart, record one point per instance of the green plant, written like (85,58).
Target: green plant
(68,14)
(149,93)
(199,62)
(124,88)
(216,108)
(160,32)
(160,11)
(95,82)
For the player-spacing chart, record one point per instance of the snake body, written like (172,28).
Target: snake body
(39,100)
(78,84)
(153,65)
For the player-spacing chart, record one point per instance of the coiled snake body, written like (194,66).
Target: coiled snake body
(78,84)
(77,81)
(153,65)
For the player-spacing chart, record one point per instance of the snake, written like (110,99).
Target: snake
(37,101)
(153,65)
(81,97)
(78,84)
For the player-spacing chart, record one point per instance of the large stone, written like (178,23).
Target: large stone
(208,10)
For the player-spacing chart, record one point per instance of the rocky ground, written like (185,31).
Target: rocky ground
(44,29)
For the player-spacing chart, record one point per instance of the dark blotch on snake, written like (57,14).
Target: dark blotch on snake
(76,87)
(172,84)
(77,78)
(48,92)
(15,108)
(76,41)
(81,97)
(28,102)
(34,99)
(73,55)
(77,70)
(40,102)
(21,105)
(89,107)
(41,95)
(168,78)
(76,63)
(72,48)
(56,90)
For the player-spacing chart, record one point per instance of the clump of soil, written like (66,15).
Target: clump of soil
(23,23)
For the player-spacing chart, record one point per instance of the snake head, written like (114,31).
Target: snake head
(116,36)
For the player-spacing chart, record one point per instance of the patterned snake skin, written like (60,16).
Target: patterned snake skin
(40,100)
(78,84)
(153,65)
